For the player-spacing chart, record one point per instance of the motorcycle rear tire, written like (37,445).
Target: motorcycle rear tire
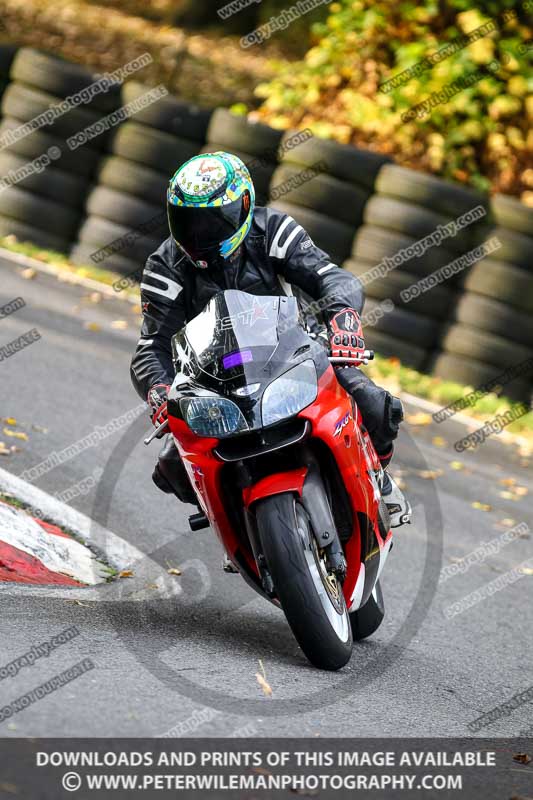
(323,631)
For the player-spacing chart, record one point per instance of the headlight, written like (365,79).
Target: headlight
(290,393)
(212,416)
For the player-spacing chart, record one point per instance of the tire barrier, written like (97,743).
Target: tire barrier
(483,312)
(125,208)
(256,144)
(390,226)
(48,181)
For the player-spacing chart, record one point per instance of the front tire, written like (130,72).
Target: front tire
(367,619)
(311,598)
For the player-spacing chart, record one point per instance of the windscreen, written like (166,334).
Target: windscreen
(235,335)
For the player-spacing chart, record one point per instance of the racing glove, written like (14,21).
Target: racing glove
(157,400)
(346,335)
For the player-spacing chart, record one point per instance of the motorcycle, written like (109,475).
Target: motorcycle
(283,470)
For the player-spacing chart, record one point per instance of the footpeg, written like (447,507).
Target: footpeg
(198,522)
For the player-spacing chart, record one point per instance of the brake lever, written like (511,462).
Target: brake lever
(157,433)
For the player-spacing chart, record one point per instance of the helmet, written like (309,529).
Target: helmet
(210,204)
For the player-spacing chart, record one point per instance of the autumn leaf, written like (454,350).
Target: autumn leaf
(126,573)
(92,326)
(521,491)
(4,451)
(267,690)
(438,441)
(508,522)
(95,297)
(481,506)
(420,418)
(16,434)
(522,758)
(9,420)
(262,681)
(39,429)
(119,324)
(526,570)
(507,495)
(507,481)
(28,274)
(430,474)
(174,571)
(457,465)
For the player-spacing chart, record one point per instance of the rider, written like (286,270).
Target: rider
(236,245)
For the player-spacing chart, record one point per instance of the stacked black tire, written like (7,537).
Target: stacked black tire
(407,207)
(46,207)
(126,217)
(254,143)
(325,186)
(490,327)
(7,54)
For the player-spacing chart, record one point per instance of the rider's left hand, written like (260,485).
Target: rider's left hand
(346,335)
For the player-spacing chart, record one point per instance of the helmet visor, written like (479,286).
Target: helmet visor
(203,229)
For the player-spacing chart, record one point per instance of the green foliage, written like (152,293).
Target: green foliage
(479,136)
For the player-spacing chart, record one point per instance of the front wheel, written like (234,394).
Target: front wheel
(310,595)
(367,619)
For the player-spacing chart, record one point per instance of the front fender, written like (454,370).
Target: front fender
(291,481)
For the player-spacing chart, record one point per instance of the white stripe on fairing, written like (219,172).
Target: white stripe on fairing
(172,288)
(144,341)
(357,594)
(277,251)
(56,553)
(327,268)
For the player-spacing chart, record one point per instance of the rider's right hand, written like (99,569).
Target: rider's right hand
(157,400)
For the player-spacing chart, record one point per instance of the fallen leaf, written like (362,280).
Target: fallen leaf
(92,326)
(119,324)
(16,434)
(421,418)
(126,573)
(507,495)
(522,758)
(28,274)
(152,586)
(521,491)
(262,681)
(457,465)
(438,441)
(9,420)
(4,451)
(509,522)
(39,429)
(95,297)
(15,449)
(507,481)
(430,474)
(9,788)
(526,570)
(136,309)
(267,690)
(481,506)
(174,571)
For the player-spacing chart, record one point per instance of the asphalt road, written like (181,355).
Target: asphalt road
(158,662)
